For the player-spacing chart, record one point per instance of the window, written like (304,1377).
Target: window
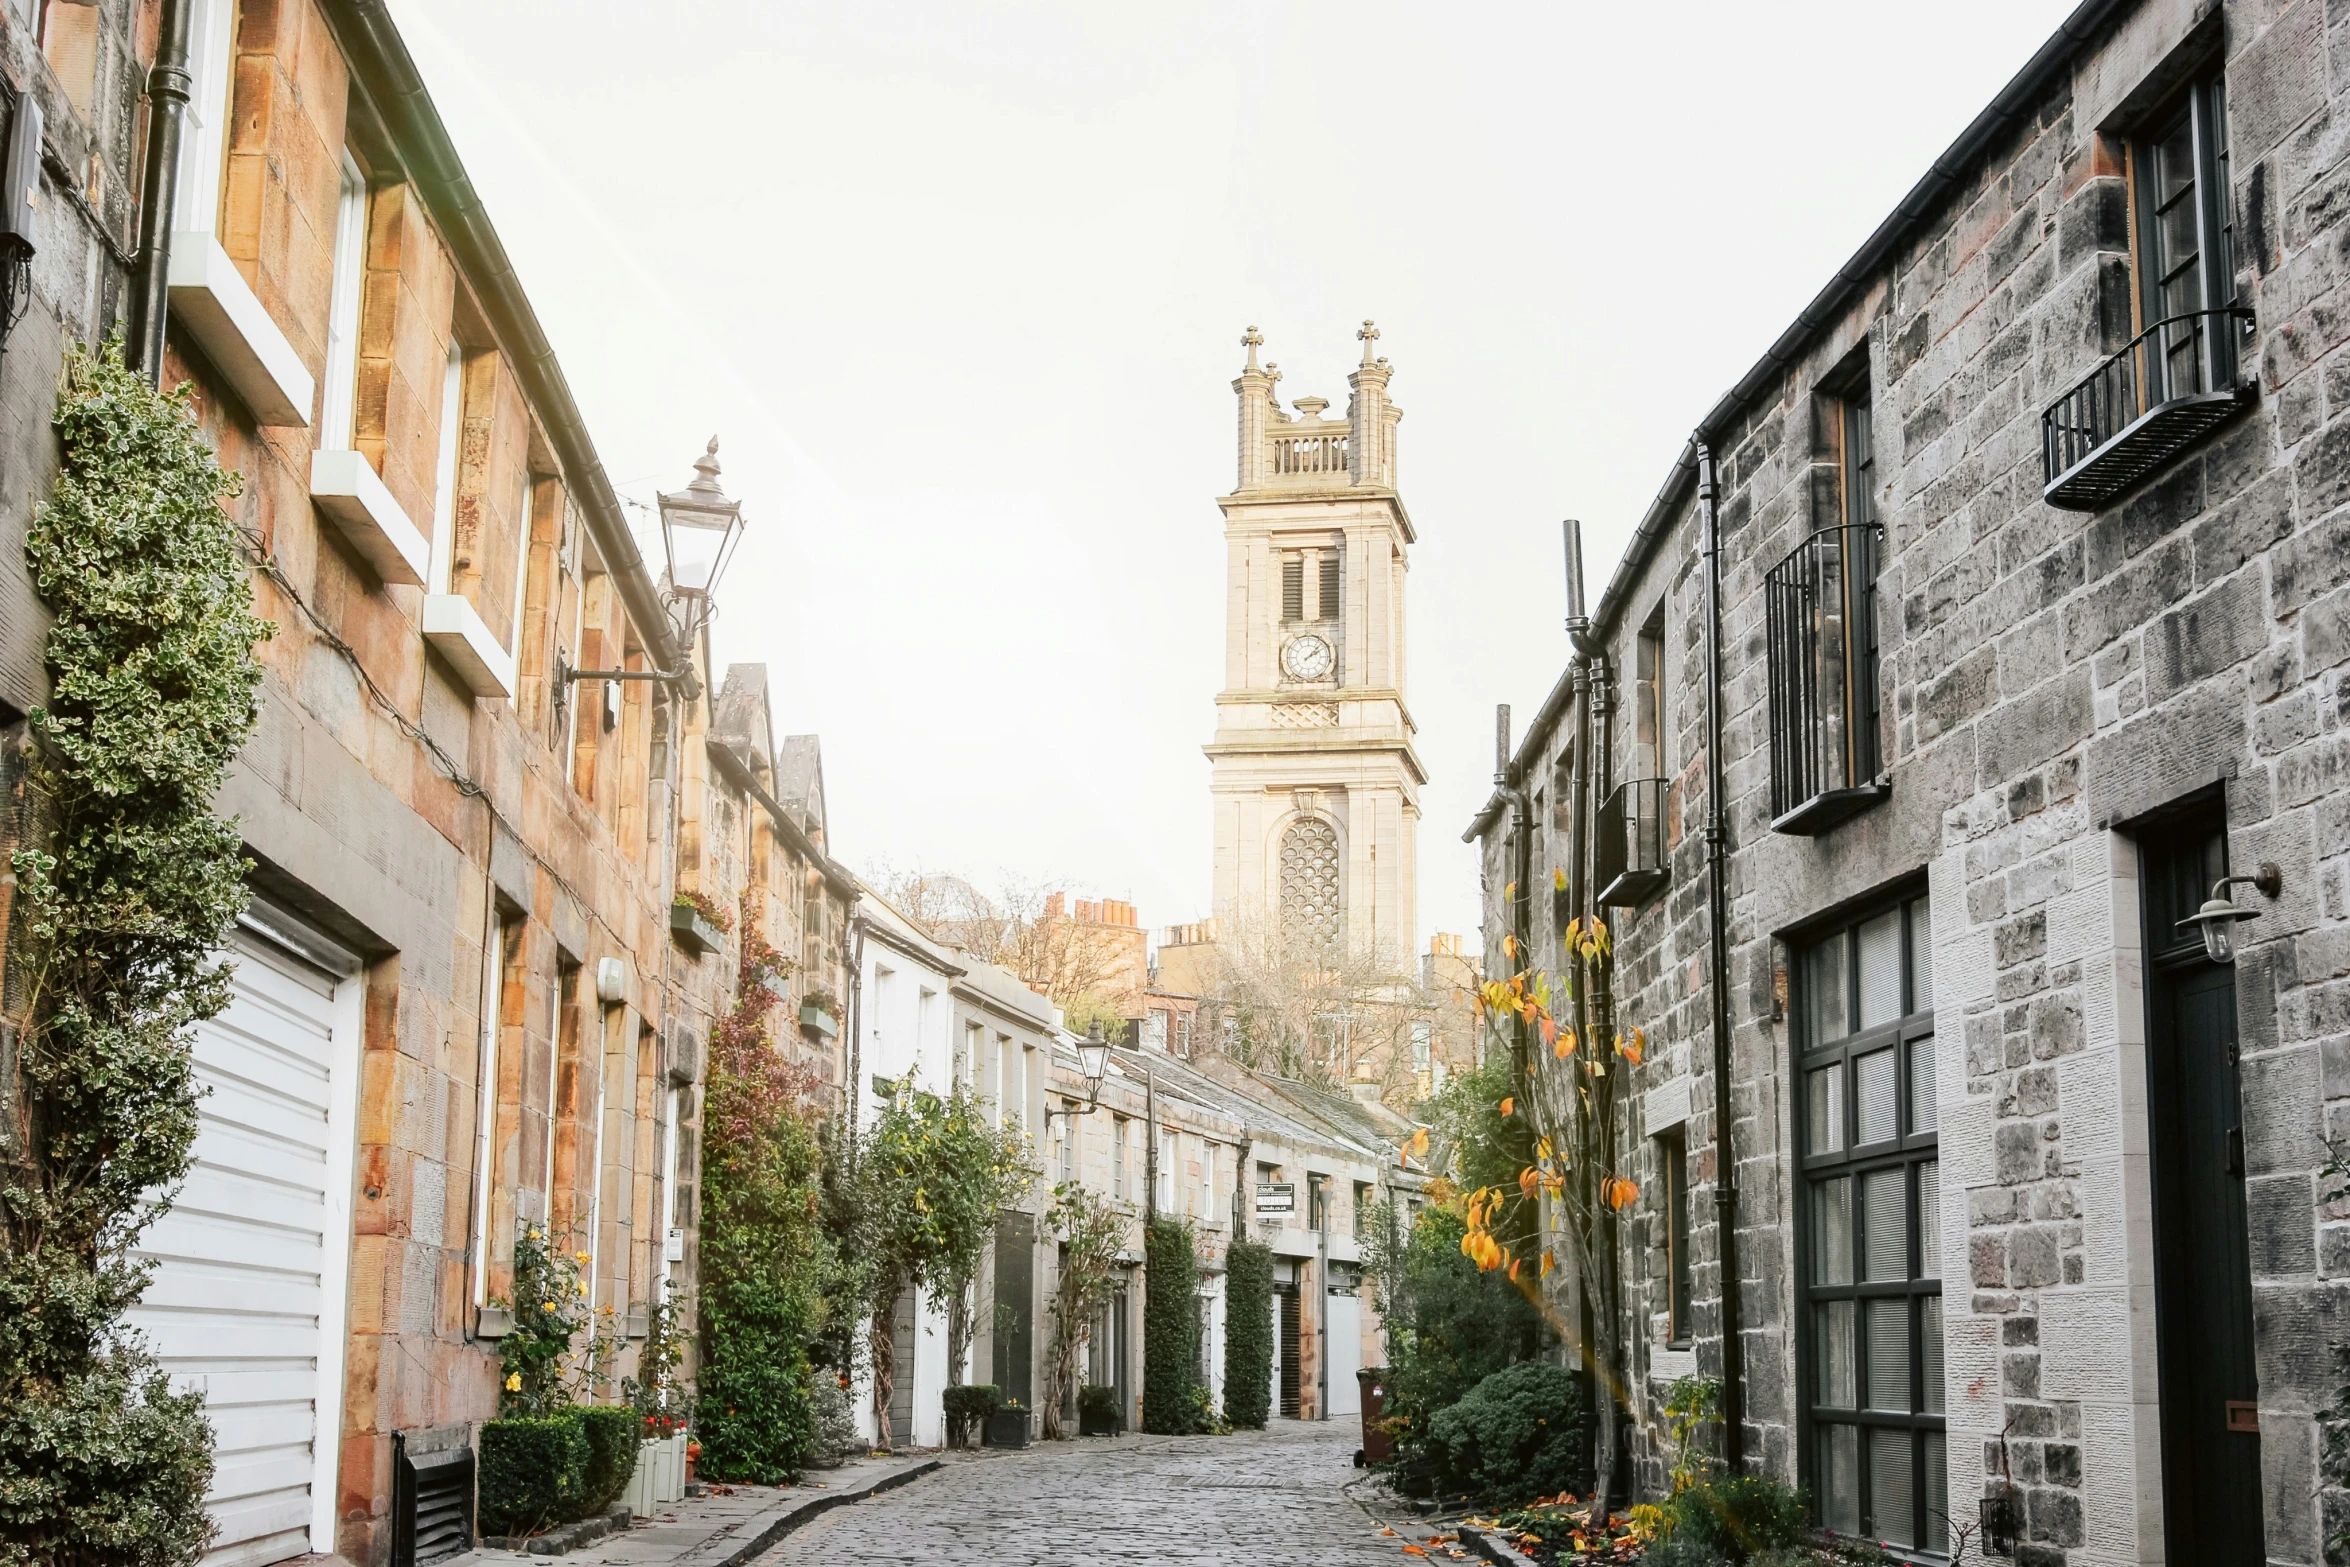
(1423,1042)
(1673,1155)
(1309,882)
(1318,1202)
(525,523)
(1648,673)
(1183,1035)
(1363,1205)
(967,1055)
(204,133)
(1207,1183)
(1820,640)
(1118,1156)
(1154,1029)
(2186,236)
(1863,536)
(1163,1188)
(1293,587)
(444,483)
(342,318)
(1870,1237)
(1326,605)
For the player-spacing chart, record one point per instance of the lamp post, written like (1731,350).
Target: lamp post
(700,527)
(2218,914)
(1093,1056)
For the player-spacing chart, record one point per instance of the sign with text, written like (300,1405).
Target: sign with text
(1276,1197)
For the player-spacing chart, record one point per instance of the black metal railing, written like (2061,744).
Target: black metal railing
(2142,407)
(1819,614)
(1630,853)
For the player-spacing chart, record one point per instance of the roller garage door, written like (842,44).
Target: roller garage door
(252,1261)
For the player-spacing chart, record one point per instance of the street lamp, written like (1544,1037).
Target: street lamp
(2217,913)
(1093,1056)
(700,527)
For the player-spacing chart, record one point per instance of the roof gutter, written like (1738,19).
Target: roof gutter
(740,774)
(379,59)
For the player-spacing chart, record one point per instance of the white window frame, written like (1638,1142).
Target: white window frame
(444,481)
(340,404)
(204,134)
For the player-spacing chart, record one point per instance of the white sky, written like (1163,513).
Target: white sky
(960,288)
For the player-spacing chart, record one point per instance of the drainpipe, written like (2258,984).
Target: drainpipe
(1718,979)
(168,83)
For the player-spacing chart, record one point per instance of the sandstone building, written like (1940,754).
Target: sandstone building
(1316,782)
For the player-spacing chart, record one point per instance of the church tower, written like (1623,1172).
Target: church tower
(1316,784)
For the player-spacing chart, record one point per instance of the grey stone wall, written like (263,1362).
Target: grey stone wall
(2048,677)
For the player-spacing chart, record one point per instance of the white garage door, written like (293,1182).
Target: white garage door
(253,1258)
(1346,1351)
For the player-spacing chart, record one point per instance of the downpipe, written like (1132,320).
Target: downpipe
(1718,977)
(168,84)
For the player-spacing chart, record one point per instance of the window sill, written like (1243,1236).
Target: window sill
(228,321)
(1830,808)
(345,487)
(454,629)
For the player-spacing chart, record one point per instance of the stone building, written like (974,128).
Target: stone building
(2032,572)
(466,1001)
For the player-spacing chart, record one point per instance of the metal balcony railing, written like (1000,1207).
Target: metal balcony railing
(1630,853)
(2175,383)
(1819,615)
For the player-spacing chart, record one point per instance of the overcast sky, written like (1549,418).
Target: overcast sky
(960,288)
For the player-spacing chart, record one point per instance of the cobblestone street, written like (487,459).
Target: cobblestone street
(1268,1499)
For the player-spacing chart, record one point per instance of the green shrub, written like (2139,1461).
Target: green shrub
(1248,1334)
(968,1410)
(533,1473)
(613,1432)
(1736,1517)
(1448,1326)
(763,1251)
(1170,1328)
(124,881)
(1520,1433)
(1097,1401)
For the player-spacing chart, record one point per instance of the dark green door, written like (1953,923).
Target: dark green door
(2202,1261)
(1015,1306)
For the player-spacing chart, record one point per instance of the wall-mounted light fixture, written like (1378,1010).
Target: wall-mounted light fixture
(2218,915)
(1093,1055)
(700,528)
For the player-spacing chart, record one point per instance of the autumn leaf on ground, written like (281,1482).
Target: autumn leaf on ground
(1414,1550)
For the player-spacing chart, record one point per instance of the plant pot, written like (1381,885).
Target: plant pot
(1091,1424)
(816,1020)
(1007,1428)
(692,932)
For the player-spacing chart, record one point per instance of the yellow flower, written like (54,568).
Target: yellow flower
(580,1257)
(514,1382)
(582,1286)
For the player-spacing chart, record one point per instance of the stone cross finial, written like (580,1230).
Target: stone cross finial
(1250,341)
(1369,335)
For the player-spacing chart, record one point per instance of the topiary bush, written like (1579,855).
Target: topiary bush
(125,883)
(613,1432)
(1733,1518)
(1521,1433)
(968,1409)
(1170,1328)
(1248,1334)
(1098,1400)
(533,1474)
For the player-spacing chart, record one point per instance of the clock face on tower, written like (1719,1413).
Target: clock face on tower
(1306,658)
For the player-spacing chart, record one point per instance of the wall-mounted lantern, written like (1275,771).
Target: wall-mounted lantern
(2218,915)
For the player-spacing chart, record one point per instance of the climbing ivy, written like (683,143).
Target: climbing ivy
(1248,1334)
(1170,1327)
(125,884)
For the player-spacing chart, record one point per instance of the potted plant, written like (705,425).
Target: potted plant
(698,924)
(1097,1410)
(969,1407)
(1008,1426)
(820,1014)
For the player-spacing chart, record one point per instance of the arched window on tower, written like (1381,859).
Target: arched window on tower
(1309,883)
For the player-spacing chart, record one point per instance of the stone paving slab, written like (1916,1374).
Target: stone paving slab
(1289,1496)
(726,1530)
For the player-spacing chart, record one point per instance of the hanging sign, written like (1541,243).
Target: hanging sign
(1276,1197)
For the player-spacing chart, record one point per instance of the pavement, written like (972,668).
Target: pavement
(1286,1495)
(729,1525)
